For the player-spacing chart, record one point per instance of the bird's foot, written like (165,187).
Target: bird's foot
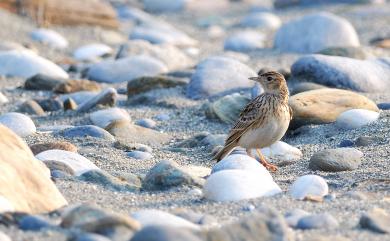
(270,166)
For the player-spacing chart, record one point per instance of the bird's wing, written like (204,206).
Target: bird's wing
(253,112)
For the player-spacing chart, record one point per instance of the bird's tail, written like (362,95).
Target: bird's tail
(223,152)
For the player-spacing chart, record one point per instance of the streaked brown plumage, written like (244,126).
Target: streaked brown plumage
(263,121)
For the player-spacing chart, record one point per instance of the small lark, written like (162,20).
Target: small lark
(263,121)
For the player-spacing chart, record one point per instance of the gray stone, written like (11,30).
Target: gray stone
(366,140)
(317,221)
(34,223)
(262,20)
(105,97)
(245,41)
(108,181)
(129,146)
(42,82)
(219,75)
(146,83)
(140,155)
(163,233)
(194,217)
(91,237)
(377,220)
(146,122)
(336,160)
(117,71)
(21,124)
(51,104)
(316,32)
(292,217)
(168,174)
(350,52)
(227,108)
(164,5)
(384,106)
(56,166)
(87,130)
(193,141)
(356,118)
(31,107)
(342,72)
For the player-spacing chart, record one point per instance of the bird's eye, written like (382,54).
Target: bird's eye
(269,78)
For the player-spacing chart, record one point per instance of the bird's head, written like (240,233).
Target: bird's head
(272,82)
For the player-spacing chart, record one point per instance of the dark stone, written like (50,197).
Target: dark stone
(52,104)
(144,84)
(161,233)
(335,160)
(91,237)
(366,140)
(346,143)
(108,181)
(376,220)
(33,223)
(70,104)
(42,82)
(384,106)
(317,221)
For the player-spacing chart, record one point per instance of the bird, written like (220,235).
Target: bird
(263,121)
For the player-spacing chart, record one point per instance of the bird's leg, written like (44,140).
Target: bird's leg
(249,153)
(265,163)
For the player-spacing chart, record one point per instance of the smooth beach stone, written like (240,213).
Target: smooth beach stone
(146,122)
(108,181)
(91,237)
(70,104)
(218,75)
(356,118)
(236,185)
(105,97)
(317,221)
(70,86)
(153,217)
(382,106)
(90,218)
(42,82)
(240,162)
(346,143)
(245,41)
(282,151)
(21,124)
(315,32)
(173,57)
(325,105)
(51,104)
(80,96)
(147,83)
(140,155)
(125,69)
(91,52)
(25,182)
(167,174)
(350,52)
(227,108)
(262,20)
(86,130)
(367,140)
(58,145)
(292,217)
(31,107)
(372,75)
(26,64)
(164,233)
(336,160)
(34,223)
(78,163)
(3,98)
(103,118)
(309,186)
(377,220)
(50,38)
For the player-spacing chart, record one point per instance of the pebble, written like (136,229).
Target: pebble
(168,174)
(261,20)
(356,118)
(230,75)
(105,97)
(292,217)
(236,185)
(91,237)
(377,220)
(87,130)
(328,30)
(240,162)
(309,186)
(140,155)
(33,223)
(79,97)
(164,233)
(42,82)
(317,221)
(382,106)
(245,41)
(31,107)
(70,104)
(74,85)
(336,160)
(51,104)
(131,146)
(76,162)
(227,108)
(370,75)
(26,64)
(153,217)
(50,38)
(366,140)
(108,181)
(57,145)
(346,143)
(125,69)
(147,83)
(92,52)
(103,118)
(285,153)
(147,123)
(19,123)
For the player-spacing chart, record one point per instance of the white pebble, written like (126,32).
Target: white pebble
(309,185)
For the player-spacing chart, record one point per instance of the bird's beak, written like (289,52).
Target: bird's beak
(254,78)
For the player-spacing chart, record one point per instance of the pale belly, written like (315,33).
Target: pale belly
(265,136)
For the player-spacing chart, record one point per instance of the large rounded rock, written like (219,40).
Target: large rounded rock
(315,32)
(309,186)
(236,185)
(240,162)
(50,38)
(18,123)
(336,160)
(262,20)
(27,64)
(361,75)
(218,75)
(325,105)
(356,118)
(25,181)
(245,41)
(116,71)
(103,118)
